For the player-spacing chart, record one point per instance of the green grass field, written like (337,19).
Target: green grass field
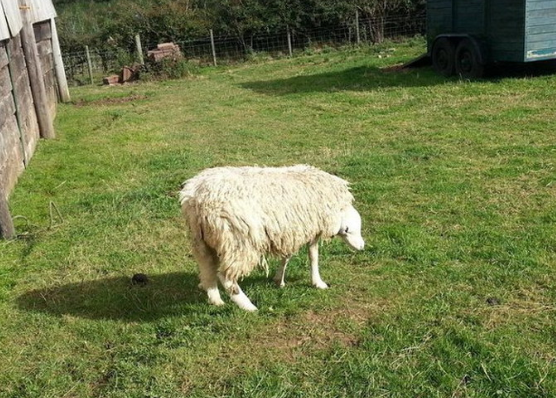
(454,295)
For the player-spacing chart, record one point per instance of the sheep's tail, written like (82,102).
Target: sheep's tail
(187,192)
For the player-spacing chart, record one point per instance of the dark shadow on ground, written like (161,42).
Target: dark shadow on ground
(367,78)
(363,78)
(521,70)
(118,298)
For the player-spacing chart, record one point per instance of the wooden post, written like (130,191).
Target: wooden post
(358,36)
(213,47)
(63,89)
(289,36)
(7,230)
(36,76)
(16,105)
(90,65)
(139,48)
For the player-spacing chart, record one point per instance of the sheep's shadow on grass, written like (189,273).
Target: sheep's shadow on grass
(118,298)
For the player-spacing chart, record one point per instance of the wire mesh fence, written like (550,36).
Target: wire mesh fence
(204,51)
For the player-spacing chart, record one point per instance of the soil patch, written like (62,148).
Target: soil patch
(110,101)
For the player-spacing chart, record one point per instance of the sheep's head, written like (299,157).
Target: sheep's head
(350,228)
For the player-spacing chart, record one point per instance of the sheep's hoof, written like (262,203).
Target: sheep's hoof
(279,283)
(217,302)
(243,302)
(320,285)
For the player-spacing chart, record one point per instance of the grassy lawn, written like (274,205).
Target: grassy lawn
(454,295)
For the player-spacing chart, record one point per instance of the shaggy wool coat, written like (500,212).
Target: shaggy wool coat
(241,214)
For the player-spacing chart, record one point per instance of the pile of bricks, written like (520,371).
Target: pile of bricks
(127,74)
(164,50)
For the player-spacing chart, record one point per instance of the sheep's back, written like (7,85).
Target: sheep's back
(272,210)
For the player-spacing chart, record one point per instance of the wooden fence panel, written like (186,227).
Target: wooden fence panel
(11,155)
(30,132)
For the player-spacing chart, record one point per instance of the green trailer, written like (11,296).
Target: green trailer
(465,36)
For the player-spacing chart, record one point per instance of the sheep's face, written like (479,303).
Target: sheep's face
(350,228)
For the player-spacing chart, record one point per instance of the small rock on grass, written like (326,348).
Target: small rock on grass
(139,279)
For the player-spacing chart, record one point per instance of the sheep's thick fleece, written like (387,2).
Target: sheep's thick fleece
(237,215)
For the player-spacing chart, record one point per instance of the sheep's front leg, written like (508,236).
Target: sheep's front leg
(236,294)
(314,259)
(281,272)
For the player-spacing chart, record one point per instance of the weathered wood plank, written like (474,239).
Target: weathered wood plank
(27,115)
(540,5)
(541,44)
(63,89)
(13,16)
(5,82)
(42,31)
(49,81)
(3,55)
(31,133)
(532,15)
(536,29)
(541,38)
(17,65)
(40,10)
(11,156)
(7,108)
(47,65)
(13,45)
(34,68)
(45,48)
(22,89)
(7,230)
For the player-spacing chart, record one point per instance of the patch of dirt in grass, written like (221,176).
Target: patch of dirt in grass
(110,101)
(292,337)
(524,306)
(395,69)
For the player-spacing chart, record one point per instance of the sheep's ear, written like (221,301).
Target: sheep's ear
(343,230)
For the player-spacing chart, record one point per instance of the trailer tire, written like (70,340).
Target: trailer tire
(443,55)
(468,60)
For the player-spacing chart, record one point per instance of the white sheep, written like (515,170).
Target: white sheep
(238,215)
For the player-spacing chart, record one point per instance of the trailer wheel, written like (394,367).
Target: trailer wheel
(468,64)
(443,57)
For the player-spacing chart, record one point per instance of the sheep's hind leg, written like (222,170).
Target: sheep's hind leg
(314,260)
(236,294)
(281,272)
(208,268)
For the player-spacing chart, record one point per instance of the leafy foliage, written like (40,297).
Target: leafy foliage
(110,24)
